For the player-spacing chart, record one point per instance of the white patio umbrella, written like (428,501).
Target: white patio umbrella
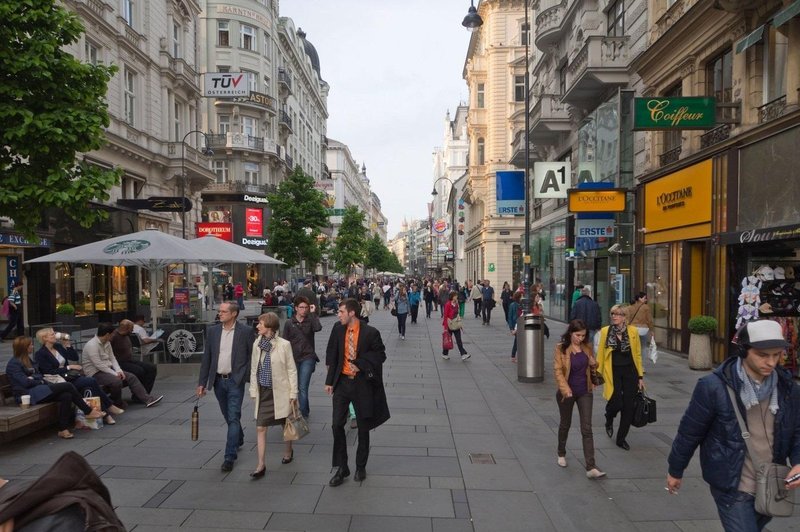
(150,249)
(218,251)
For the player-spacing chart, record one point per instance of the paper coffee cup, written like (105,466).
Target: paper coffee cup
(26,401)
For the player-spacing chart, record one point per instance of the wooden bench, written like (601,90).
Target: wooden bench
(15,421)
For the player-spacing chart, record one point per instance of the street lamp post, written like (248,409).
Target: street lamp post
(472,22)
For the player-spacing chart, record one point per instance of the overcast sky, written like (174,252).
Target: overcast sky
(394,68)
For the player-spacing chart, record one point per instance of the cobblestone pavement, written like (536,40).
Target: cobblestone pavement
(425,472)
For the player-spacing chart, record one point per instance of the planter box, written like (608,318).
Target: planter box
(700,351)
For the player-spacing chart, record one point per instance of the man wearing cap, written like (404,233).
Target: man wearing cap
(770,406)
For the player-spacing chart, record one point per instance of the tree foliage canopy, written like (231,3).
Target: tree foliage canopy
(297,217)
(52,106)
(350,246)
(379,257)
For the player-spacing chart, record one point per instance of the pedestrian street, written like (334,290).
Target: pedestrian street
(467,448)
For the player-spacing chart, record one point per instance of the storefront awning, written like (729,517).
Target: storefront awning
(784,16)
(750,39)
(753,236)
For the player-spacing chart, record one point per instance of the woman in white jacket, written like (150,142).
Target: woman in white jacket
(273,385)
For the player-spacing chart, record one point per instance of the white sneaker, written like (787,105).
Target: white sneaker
(154,401)
(595,473)
(446,357)
(562,461)
(465,356)
(402,337)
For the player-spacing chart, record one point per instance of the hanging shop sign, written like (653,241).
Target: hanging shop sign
(254,222)
(608,200)
(440,225)
(674,113)
(551,180)
(158,204)
(225,85)
(510,187)
(218,229)
(681,202)
(755,236)
(592,228)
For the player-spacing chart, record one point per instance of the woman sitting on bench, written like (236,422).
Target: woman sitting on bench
(55,358)
(26,380)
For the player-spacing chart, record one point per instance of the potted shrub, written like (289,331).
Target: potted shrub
(143,307)
(701,329)
(65,314)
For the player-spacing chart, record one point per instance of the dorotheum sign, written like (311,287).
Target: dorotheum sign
(674,113)
(602,200)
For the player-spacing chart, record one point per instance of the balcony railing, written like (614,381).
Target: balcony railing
(715,136)
(670,156)
(772,110)
(285,120)
(548,25)
(285,78)
(242,142)
(240,186)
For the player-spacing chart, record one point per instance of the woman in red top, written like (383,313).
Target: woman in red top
(451,313)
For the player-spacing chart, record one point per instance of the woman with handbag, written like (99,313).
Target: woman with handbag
(639,316)
(26,380)
(505,297)
(54,358)
(575,372)
(401,307)
(514,312)
(619,360)
(451,322)
(273,386)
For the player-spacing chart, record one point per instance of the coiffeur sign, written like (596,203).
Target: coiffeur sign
(607,200)
(218,229)
(674,113)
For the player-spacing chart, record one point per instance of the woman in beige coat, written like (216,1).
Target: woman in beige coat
(638,315)
(273,385)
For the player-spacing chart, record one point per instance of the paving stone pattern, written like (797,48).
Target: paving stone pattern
(420,474)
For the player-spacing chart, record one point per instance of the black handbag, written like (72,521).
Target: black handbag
(72,375)
(644,410)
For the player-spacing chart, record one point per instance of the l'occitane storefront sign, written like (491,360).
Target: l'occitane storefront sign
(674,113)
(678,206)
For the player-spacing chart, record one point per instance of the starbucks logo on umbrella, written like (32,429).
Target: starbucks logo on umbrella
(181,344)
(126,247)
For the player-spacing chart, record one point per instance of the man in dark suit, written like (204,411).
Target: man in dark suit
(355,361)
(226,368)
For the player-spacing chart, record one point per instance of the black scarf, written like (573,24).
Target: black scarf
(623,343)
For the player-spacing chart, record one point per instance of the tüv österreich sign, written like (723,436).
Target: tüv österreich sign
(674,113)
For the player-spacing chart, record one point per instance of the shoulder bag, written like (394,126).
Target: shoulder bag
(772,497)
(644,410)
(454,324)
(296,426)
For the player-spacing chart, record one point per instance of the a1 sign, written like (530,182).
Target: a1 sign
(551,180)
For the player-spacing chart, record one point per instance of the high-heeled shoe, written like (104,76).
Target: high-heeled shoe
(66,435)
(95,414)
(285,460)
(258,474)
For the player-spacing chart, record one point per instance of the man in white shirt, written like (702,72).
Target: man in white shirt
(147,342)
(100,363)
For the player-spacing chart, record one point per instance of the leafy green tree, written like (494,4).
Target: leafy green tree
(393,263)
(297,218)
(349,247)
(52,106)
(376,254)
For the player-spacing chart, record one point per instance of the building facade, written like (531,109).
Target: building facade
(494,71)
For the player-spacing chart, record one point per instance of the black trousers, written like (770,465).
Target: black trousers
(457,335)
(14,320)
(428,308)
(477,307)
(626,383)
(343,395)
(144,371)
(66,395)
(487,312)
(414,313)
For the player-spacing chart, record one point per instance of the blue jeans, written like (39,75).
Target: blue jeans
(230,396)
(304,370)
(737,512)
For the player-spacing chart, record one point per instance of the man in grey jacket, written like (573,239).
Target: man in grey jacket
(226,368)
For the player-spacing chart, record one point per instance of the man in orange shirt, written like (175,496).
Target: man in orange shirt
(355,361)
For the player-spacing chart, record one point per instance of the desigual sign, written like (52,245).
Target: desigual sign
(255,199)
(674,113)
(255,242)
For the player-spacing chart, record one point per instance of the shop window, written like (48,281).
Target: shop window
(83,290)
(63,283)
(119,288)
(658,265)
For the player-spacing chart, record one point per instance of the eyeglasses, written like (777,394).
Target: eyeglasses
(617,313)
(302,306)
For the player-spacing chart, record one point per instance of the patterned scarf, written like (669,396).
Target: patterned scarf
(753,393)
(265,369)
(613,343)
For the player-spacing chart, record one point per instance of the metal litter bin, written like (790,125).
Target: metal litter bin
(530,349)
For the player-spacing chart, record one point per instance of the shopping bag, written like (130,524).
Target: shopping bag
(644,410)
(80,418)
(653,353)
(447,341)
(296,426)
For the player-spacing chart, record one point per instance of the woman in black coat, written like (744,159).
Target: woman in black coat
(27,380)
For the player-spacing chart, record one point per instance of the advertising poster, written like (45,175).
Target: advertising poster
(510,187)
(180,302)
(254,222)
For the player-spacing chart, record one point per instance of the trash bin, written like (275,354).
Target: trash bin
(530,349)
